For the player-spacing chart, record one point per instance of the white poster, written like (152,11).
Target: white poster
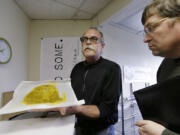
(58,57)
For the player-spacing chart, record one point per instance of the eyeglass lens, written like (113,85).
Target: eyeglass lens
(91,39)
(153,26)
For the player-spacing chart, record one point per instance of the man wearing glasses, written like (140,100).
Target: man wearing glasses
(98,82)
(161,20)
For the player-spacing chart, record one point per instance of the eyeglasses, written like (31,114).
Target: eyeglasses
(150,28)
(92,39)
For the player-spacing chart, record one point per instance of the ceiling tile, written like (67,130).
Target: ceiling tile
(61,9)
(94,6)
(71,3)
(46,9)
(84,15)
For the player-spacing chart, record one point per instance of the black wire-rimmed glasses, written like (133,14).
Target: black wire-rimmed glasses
(92,39)
(151,27)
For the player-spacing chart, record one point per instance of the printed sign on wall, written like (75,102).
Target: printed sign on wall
(58,57)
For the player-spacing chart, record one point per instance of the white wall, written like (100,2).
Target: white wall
(128,49)
(14,27)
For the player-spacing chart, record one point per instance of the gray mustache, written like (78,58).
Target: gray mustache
(88,47)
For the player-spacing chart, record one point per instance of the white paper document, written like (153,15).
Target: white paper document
(16,105)
(39,126)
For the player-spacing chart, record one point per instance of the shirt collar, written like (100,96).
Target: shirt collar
(96,62)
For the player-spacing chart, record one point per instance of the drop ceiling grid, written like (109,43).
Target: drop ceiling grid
(61,9)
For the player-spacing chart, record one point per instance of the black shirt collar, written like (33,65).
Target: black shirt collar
(91,64)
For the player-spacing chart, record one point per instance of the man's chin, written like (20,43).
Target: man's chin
(154,54)
(89,55)
(157,54)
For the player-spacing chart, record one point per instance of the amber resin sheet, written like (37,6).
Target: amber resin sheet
(41,95)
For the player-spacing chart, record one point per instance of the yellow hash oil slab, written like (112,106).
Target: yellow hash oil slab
(44,94)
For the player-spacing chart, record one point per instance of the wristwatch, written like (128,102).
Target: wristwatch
(5,51)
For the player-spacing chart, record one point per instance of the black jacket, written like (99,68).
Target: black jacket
(98,84)
(169,68)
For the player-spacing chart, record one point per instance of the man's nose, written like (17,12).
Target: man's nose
(88,42)
(147,38)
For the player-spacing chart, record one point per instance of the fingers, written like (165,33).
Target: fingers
(44,110)
(62,110)
(39,110)
(141,131)
(68,110)
(148,127)
(141,123)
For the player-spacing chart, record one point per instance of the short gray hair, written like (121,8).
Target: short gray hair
(102,36)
